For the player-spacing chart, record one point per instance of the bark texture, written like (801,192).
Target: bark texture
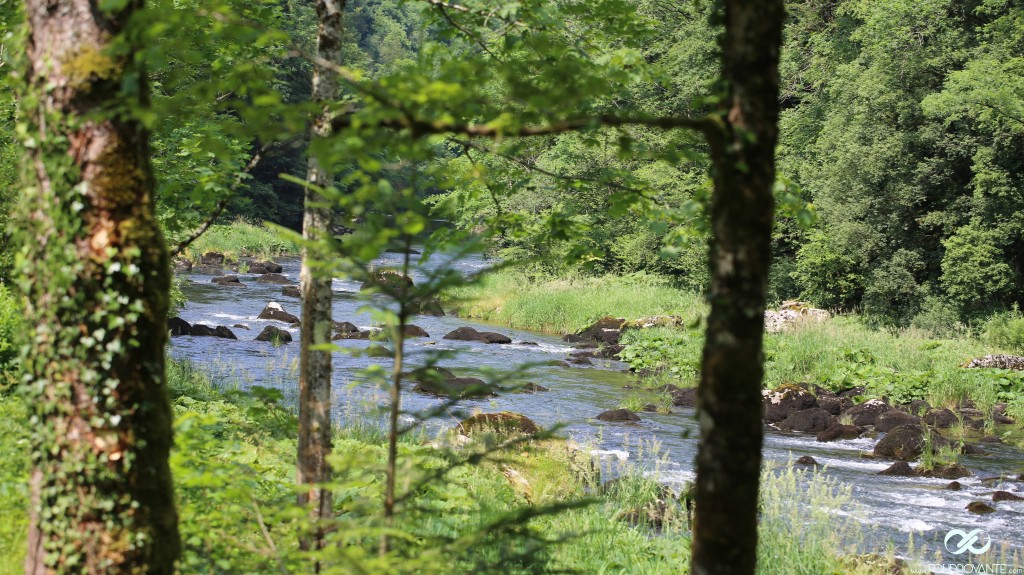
(729,395)
(315,368)
(96,274)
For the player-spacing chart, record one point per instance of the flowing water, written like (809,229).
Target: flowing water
(894,510)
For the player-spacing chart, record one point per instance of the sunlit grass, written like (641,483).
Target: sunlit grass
(568,305)
(241,239)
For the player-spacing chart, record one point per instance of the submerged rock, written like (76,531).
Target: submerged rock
(1006,496)
(531,387)
(459,387)
(221,331)
(274,334)
(230,281)
(378,351)
(619,415)
(839,431)
(898,469)
(274,311)
(980,508)
(273,279)
(470,334)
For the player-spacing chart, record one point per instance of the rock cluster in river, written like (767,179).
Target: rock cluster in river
(178,326)
(470,334)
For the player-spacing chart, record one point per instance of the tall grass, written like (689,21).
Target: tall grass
(241,239)
(568,305)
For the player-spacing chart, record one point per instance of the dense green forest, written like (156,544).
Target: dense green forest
(752,234)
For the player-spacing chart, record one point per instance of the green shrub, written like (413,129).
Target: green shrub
(11,326)
(975,274)
(1006,331)
(938,318)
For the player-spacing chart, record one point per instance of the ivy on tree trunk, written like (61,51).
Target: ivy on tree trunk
(96,274)
(742,213)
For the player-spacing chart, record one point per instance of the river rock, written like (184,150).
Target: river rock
(431,307)
(997,361)
(274,334)
(918,407)
(946,471)
(291,291)
(839,431)
(1006,496)
(531,387)
(807,460)
(898,469)
(852,392)
(867,413)
(606,330)
(953,486)
(905,442)
(579,360)
(181,265)
(208,270)
(684,397)
(619,415)
(458,387)
(414,331)
(387,281)
(275,312)
(207,331)
(834,404)
(230,281)
(377,351)
(212,259)
(470,334)
(980,508)
(892,419)
(504,423)
(178,326)
(785,400)
(940,418)
(811,420)
(430,374)
(273,279)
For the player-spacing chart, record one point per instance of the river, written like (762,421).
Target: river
(893,509)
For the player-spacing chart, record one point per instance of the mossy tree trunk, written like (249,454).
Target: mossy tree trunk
(96,274)
(742,213)
(315,368)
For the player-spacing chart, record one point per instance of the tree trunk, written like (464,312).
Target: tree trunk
(315,369)
(742,212)
(96,274)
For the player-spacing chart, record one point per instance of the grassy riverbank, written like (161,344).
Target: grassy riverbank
(568,305)
(234,466)
(241,239)
(840,353)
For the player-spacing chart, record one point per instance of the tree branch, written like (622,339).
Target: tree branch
(420,127)
(221,205)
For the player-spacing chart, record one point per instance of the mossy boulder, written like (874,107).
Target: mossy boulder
(785,400)
(504,423)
